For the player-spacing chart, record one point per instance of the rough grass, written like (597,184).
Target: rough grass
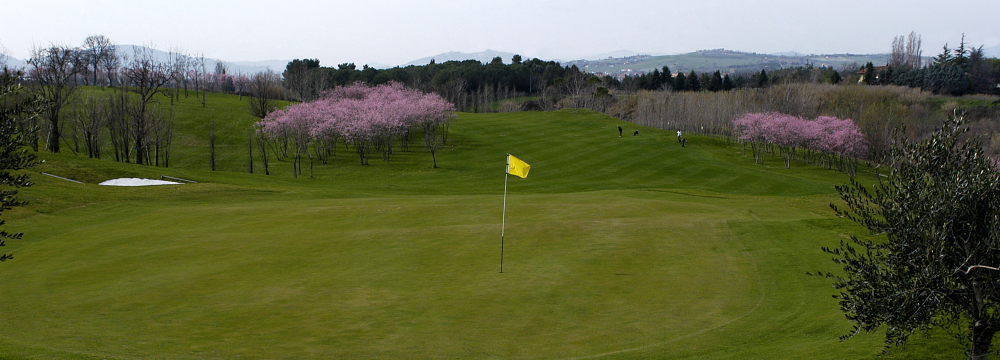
(615,248)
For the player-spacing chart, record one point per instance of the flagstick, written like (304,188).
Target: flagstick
(503,221)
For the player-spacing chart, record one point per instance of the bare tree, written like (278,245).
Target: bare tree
(4,56)
(90,121)
(897,59)
(221,68)
(219,78)
(146,78)
(264,91)
(262,143)
(179,72)
(240,84)
(434,137)
(906,52)
(211,141)
(53,73)
(913,52)
(119,125)
(198,74)
(110,63)
(95,49)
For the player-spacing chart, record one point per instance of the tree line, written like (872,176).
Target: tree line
(358,115)
(132,118)
(825,141)
(470,84)
(959,71)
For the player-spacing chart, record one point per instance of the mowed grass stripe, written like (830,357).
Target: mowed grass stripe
(548,296)
(663,252)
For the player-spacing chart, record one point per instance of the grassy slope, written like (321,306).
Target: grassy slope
(626,247)
(711,61)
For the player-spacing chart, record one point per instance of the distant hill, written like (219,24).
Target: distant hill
(993,52)
(728,61)
(482,56)
(15,63)
(614,54)
(789,53)
(235,67)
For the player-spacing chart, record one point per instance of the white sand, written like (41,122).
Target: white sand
(137,182)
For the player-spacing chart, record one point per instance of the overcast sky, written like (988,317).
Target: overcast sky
(397,31)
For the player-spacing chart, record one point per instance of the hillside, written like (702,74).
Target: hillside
(719,59)
(483,56)
(615,247)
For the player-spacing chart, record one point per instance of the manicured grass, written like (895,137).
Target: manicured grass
(615,248)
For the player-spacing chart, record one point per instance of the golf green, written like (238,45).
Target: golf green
(614,248)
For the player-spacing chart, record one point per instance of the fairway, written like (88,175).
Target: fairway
(615,248)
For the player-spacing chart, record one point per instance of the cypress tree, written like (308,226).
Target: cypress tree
(762,79)
(692,82)
(666,78)
(680,82)
(835,78)
(715,84)
(727,83)
(869,78)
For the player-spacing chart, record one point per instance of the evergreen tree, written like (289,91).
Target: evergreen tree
(666,78)
(762,79)
(14,156)
(946,79)
(869,77)
(835,78)
(680,82)
(693,83)
(727,83)
(944,58)
(961,58)
(715,84)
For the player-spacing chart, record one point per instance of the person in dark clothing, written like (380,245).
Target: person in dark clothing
(619,131)
(684,142)
(636,133)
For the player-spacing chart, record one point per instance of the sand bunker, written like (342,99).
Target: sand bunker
(137,182)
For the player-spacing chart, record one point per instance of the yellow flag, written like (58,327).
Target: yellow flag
(517,167)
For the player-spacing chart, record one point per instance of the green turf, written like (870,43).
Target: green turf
(615,248)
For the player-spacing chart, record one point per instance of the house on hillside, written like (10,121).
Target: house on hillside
(877,69)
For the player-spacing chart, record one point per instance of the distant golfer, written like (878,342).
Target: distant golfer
(635,133)
(619,131)
(678,136)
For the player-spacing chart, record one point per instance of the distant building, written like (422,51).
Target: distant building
(876,69)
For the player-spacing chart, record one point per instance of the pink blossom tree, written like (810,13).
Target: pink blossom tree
(364,117)
(839,141)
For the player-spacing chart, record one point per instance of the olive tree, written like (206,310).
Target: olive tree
(933,257)
(15,106)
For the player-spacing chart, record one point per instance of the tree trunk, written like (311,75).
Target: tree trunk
(250,143)
(982,336)
(54,135)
